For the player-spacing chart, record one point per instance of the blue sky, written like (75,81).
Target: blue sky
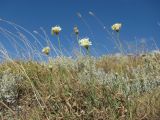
(140,19)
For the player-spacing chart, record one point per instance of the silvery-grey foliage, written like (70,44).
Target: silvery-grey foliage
(145,78)
(9,86)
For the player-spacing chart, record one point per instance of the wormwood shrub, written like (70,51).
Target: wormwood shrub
(9,90)
(108,87)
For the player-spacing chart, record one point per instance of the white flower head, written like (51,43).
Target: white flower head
(116,27)
(56,29)
(46,50)
(85,42)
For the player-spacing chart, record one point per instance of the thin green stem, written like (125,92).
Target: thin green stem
(90,64)
(77,37)
(120,44)
(88,51)
(59,43)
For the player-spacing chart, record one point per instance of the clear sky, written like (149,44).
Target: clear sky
(140,20)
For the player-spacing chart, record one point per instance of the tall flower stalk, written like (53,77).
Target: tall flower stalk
(56,30)
(76,31)
(116,27)
(85,43)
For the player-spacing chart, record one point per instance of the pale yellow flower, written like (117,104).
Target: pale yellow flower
(85,42)
(46,50)
(56,30)
(50,66)
(116,27)
(76,31)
